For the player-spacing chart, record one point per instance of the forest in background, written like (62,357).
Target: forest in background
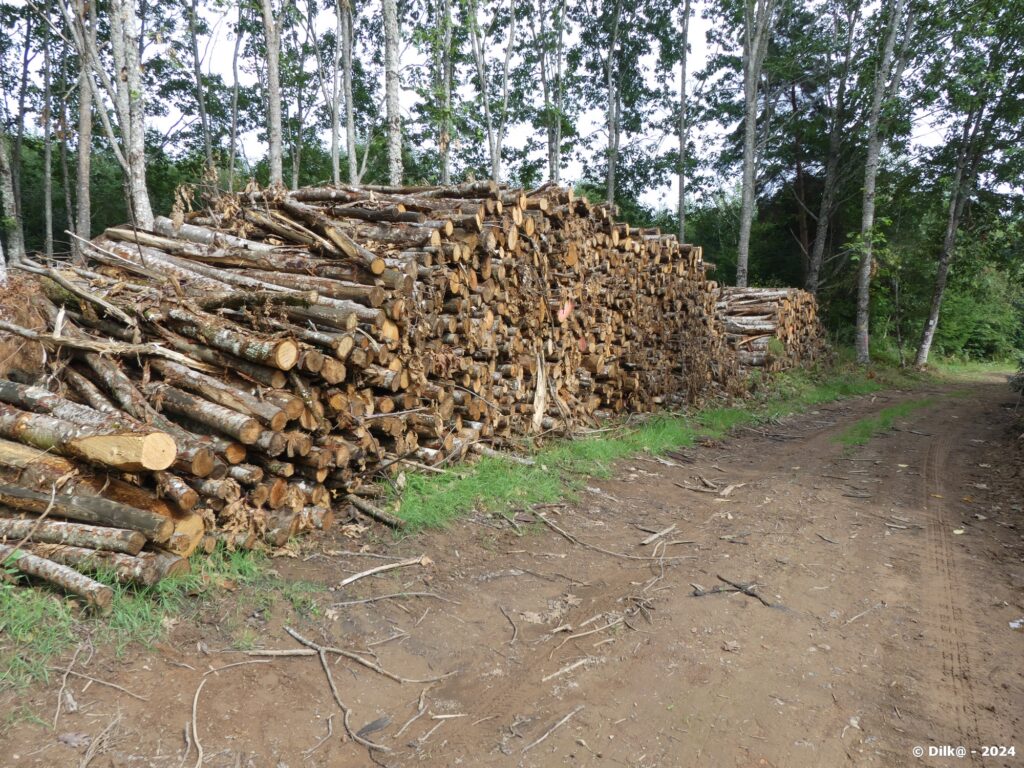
(869,152)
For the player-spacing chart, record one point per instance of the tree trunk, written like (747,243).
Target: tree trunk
(130,96)
(83,221)
(444,138)
(392,86)
(145,569)
(351,150)
(758,19)
(963,182)
(867,223)
(272,30)
(613,108)
(233,140)
(9,204)
(197,74)
(45,117)
(830,182)
(684,125)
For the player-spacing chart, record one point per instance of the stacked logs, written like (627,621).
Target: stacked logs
(236,373)
(771,328)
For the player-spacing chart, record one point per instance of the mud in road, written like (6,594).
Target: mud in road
(876,587)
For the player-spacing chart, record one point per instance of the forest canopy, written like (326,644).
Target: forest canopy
(870,152)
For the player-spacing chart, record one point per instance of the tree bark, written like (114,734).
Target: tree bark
(83,221)
(11,209)
(145,569)
(96,595)
(233,139)
(684,125)
(392,85)
(351,150)
(74,534)
(867,223)
(90,509)
(613,122)
(272,30)
(758,19)
(45,116)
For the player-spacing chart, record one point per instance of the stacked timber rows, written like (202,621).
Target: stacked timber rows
(771,328)
(237,374)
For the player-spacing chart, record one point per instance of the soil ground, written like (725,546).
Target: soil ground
(892,573)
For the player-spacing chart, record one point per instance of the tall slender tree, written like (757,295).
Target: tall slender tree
(392,87)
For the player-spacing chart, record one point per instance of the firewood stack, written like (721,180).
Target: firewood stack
(771,328)
(235,374)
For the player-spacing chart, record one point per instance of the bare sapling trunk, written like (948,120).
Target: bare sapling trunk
(83,219)
(758,19)
(197,74)
(9,205)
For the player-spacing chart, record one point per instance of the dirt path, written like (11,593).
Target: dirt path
(892,571)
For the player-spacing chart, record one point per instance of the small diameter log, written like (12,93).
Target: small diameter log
(96,595)
(222,393)
(129,451)
(91,510)
(378,514)
(145,569)
(276,353)
(73,534)
(244,429)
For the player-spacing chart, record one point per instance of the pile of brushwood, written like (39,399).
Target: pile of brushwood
(240,372)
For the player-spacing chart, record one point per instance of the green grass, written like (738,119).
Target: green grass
(860,432)
(38,626)
(501,486)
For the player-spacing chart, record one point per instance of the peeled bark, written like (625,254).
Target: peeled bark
(98,596)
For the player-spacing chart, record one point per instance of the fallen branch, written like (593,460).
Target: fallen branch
(552,729)
(421,560)
(394,595)
(584,544)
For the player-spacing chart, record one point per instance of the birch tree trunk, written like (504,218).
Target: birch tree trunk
(10,210)
(197,74)
(392,86)
(836,121)
(758,19)
(684,125)
(83,219)
(272,30)
(867,222)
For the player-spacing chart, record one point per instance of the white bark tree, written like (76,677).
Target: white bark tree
(496,124)
(272,31)
(758,21)
(392,86)
(9,206)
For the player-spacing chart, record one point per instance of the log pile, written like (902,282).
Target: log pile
(240,372)
(771,328)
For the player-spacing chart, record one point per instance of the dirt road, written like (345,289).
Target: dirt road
(891,573)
